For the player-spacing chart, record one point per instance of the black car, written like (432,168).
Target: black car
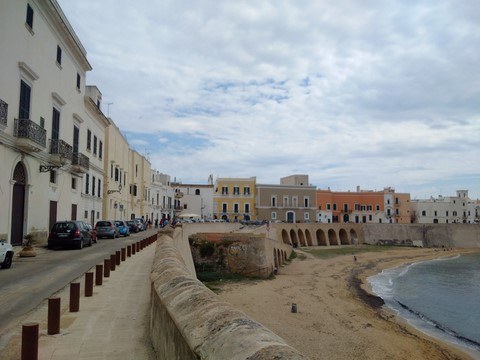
(70,234)
(132,224)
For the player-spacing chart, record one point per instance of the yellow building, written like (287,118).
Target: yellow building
(140,186)
(234,199)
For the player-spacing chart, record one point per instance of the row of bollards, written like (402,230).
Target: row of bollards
(30,330)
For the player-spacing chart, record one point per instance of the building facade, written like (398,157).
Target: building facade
(234,199)
(195,199)
(43,125)
(294,200)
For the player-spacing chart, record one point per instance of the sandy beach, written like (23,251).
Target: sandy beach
(337,316)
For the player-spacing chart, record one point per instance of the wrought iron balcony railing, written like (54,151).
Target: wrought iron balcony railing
(81,161)
(27,129)
(61,148)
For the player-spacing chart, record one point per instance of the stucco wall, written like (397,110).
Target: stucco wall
(432,235)
(188,321)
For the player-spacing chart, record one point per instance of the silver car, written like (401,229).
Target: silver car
(106,228)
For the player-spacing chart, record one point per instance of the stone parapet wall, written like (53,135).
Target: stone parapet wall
(188,321)
(427,235)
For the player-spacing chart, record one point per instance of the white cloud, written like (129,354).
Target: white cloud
(369,93)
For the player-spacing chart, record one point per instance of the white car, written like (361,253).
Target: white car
(6,255)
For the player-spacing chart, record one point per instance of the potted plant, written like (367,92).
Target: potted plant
(28,250)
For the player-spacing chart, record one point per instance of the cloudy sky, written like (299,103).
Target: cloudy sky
(368,93)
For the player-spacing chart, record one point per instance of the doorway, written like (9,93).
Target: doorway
(18,204)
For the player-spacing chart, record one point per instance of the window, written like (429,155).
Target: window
(246,190)
(285,201)
(184,206)
(24,107)
(435,212)
(370,217)
(89,139)
(136,170)
(224,190)
(42,122)
(116,174)
(329,206)
(247,208)
(99,188)
(29,19)
(53,176)
(305,202)
(235,208)
(378,207)
(87,183)
(197,192)
(334,207)
(100,149)
(94,145)
(424,213)
(446,213)
(236,190)
(59,55)
(224,208)
(274,201)
(274,215)
(55,125)
(93,185)
(306,216)
(74,183)
(78,81)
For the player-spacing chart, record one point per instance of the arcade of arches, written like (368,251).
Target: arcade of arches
(319,234)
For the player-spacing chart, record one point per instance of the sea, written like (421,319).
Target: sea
(439,297)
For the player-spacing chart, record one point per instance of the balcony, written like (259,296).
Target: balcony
(60,152)
(31,137)
(80,163)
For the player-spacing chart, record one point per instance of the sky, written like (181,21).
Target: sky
(353,93)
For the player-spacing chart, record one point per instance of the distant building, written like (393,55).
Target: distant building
(195,199)
(445,209)
(161,196)
(363,206)
(294,200)
(234,199)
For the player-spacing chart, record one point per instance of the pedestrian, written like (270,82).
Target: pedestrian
(354,258)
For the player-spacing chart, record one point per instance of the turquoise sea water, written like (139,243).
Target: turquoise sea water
(439,297)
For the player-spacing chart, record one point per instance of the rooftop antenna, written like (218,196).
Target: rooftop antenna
(108,108)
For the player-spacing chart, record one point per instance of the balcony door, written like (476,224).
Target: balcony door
(24,107)
(55,124)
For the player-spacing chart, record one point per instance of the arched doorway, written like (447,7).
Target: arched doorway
(293,236)
(321,239)
(290,216)
(332,237)
(353,236)
(309,238)
(343,237)
(301,238)
(285,237)
(18,204)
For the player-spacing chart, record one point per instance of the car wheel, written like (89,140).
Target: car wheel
(7,262)
(90,242)
(80,245)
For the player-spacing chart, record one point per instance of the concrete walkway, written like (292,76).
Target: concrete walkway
(112,324)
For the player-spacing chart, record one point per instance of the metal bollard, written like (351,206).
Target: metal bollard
(129,250)
(53,326)
(134,249)
(98,275)
(138,246)
(113,261)
(30,341)
(88,284)
(74,297)
(117,258)
(124,253)
(106,268)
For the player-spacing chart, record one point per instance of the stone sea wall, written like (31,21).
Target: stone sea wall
(188,321)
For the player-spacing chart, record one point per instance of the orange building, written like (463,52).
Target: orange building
(362,206)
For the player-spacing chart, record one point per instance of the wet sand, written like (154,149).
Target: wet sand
(337,316)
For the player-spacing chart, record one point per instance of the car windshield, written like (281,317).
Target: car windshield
(103,223)
(131,222)
(64,227)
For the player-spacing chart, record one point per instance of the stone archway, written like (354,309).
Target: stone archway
(285,238)
(18,204)
(308,236)
(293,237)
(321,239)
(332,237)
(353,237)
(343,237)
(301,238)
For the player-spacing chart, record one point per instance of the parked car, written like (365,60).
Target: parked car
(106,228)
(68,234)
(93,232)
(123,228)
(142,225)
(132,224)
(6,255)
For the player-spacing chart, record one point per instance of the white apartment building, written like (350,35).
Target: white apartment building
(43,121)
(444,209)
(161,197)
(194,199)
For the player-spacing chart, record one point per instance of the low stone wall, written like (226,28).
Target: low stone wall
(188,321)
(428,235)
